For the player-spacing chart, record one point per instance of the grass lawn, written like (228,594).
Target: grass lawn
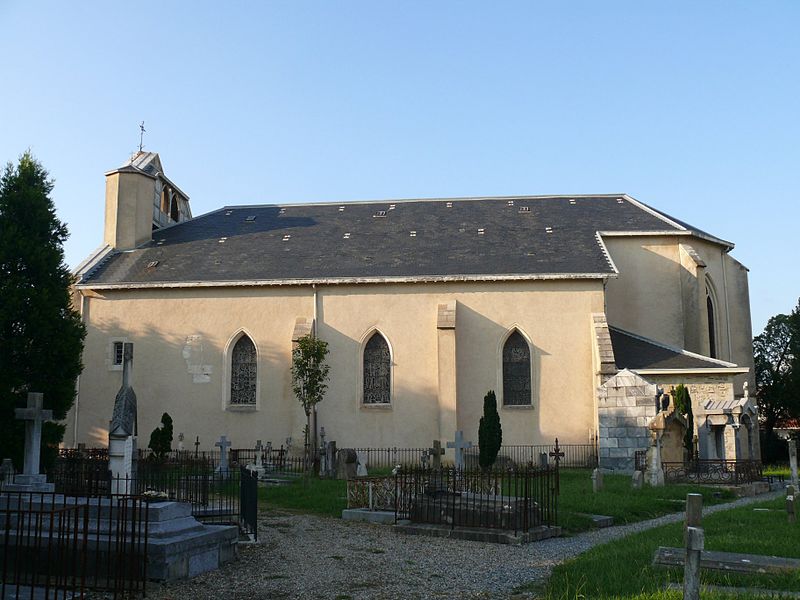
(619,500)
(329,498)
(623,569)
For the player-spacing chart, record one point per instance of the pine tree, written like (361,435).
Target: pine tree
(161,438)
(490,433)
(41,335)
(683,404)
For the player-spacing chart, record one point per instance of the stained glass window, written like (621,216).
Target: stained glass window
(516,371)
(243,372)
(712,327)
(377,371)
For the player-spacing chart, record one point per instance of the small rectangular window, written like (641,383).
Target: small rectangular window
(117,353)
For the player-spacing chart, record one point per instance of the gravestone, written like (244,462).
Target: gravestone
(330,459)
(597,480)
(259,449)
(123,430)
(361,468)
(7,471)
(436,452)
(459,445)
(637,480)
(543,460)
(793,462)
(655,471)
(423,459)
(223,468)
(30,480)
(346,463)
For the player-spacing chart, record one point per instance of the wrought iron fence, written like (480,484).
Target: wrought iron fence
(58,546)
(640,460)
(732,472)
(214,495)
(388,458)
(576,456)
(248,502)
(514,499)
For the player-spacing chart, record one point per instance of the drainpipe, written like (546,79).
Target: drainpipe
(78,379)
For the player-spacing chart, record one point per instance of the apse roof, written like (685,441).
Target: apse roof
(434,239)
(637,353)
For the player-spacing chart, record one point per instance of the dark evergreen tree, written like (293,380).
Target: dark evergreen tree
(161,438)
(683,404)
(41,335)
(490,433)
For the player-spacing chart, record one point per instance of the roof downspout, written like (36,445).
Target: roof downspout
(314,322)
(77,405)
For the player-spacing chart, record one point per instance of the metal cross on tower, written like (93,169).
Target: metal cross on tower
(141,135)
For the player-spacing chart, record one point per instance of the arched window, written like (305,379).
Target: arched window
(243,372)
(516,371)
(377,370)
(712,323)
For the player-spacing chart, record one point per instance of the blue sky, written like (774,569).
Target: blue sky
(691,107)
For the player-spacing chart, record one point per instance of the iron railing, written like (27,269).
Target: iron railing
(58,546)
(514,500)
(733,472)
(248,502)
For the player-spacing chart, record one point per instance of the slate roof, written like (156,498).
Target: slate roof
(636,353)
(536,236)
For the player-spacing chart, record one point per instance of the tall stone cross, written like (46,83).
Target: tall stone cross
(223,444)
(436,452)
(459,445)
(33,415)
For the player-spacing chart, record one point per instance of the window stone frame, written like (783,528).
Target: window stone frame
(228,369)
(360,379)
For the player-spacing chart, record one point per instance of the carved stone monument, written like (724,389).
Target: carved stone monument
(597,481)
(123,430)
(30,480)
(223,467)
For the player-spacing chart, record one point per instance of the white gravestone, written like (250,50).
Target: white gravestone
(223,444)
(655,471)
(459,445)
(597,480)
(30,479)
(361,469)
(793,462)
(637,480)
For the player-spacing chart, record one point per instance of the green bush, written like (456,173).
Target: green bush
(161,438)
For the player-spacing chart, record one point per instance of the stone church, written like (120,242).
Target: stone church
(569,307)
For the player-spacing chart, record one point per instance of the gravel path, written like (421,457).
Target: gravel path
(304,556)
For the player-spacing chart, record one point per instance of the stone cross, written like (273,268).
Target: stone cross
(436,452)
(655,470)
(223,444)
(459,445)
(695,541)
(197,446)
(793,462)
(34,415)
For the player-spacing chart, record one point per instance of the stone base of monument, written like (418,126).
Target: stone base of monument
(29,483)
(478,517)
(381,517)
(178,545)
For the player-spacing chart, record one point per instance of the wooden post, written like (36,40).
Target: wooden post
(694,539)
(791,504)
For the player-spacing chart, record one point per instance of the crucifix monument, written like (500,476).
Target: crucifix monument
(223,444)
(459,445)
(436,453)
(30,479)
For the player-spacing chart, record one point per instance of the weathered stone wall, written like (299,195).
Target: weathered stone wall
(626,405)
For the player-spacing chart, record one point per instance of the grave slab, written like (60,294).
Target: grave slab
(728,561)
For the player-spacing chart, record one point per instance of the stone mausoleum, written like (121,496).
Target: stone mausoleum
(572,308)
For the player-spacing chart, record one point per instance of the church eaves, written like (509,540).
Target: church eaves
(507,238)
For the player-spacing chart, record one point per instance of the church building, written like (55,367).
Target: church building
(554,302)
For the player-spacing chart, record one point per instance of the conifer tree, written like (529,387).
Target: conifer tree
(490,433)
(41,335)
(161,438)
(683,404)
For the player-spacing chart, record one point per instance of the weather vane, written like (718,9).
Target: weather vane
(141,135)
